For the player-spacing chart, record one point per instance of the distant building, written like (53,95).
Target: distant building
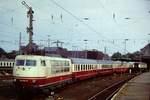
(86,54)
(146,51)
(56,51)
(62,52)
(77,54)
(146,54)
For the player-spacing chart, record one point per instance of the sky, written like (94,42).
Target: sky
(107,25)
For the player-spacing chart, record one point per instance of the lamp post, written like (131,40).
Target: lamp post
(85,47)
(125,42)
(74,49)
(148,39)
(48,40)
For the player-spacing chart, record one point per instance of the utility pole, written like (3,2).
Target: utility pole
(85,48)
(48,40)
(105,51)
(30,13)
(125,42)
(148,39)
(20,51)
(74,49)
(57,43)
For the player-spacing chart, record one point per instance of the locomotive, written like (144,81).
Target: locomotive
(42,71)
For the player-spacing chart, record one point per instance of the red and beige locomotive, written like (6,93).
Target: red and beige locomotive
(42,71)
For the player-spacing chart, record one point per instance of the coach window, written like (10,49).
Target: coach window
(79,67)
(75,66)
(43,63)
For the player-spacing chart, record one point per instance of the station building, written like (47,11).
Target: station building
(145,53)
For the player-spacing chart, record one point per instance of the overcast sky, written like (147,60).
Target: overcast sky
(104,23)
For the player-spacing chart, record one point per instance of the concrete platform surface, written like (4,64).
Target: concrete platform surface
(137,88)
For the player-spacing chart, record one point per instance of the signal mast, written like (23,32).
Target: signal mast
(30,13)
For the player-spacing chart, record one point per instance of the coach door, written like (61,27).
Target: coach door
(42,67)
(48,68)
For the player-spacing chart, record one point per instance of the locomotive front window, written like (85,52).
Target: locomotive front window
(20,62)
(30,63)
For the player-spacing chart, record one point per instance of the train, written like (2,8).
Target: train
(6,66)
(43,71)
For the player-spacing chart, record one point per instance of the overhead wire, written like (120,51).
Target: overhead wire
(78,19)
(114,19)
(74,16)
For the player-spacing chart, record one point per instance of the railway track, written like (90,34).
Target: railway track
(107,93)
(71,91)
(100,88)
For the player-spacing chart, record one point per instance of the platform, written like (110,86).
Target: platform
(137,88)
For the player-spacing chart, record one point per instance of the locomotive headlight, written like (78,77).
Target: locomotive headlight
(33,81)
(14,80)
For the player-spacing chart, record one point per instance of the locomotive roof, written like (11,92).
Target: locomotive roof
(91,61)
(40,57)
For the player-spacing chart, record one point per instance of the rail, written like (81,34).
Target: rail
(108,92)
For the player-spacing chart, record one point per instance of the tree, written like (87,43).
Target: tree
(2,52)
(135,55)
(11,55)
(116,55)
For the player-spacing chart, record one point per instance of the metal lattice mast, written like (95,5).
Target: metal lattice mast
(30,27)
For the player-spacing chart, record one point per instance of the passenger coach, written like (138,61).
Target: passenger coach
(6,65)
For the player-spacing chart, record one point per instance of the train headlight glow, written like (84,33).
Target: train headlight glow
(33,81)
(14,80)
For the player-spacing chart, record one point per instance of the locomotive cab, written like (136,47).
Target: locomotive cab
(28,70)
(28,67)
